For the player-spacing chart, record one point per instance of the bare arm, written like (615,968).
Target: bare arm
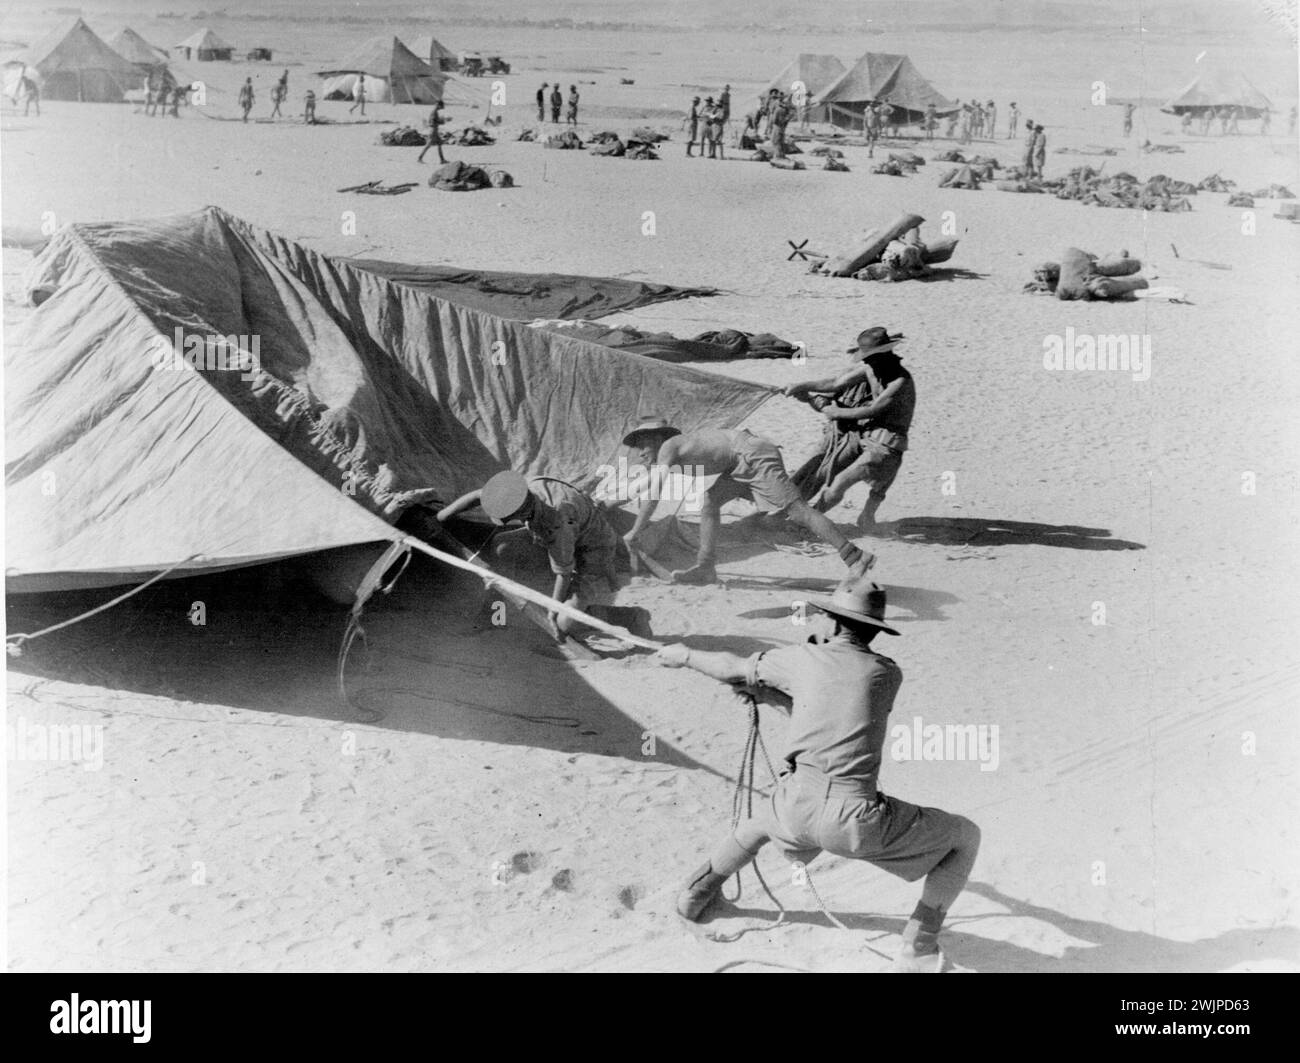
(879,405)
(828,385)
(466,501)
(665,457)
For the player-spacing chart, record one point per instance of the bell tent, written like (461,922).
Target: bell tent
(73,63)
(394,74)
(879,77)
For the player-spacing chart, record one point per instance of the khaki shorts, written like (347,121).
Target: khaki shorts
(760,475)
(809,812)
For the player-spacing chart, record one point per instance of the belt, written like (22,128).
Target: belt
(887,437)
(810,775)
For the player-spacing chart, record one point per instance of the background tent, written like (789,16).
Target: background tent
(1220,88)
(879,77)
(393,75)
(135,49)
(205,46)
(371,397)
(73,63)
(816,73)
(436,54)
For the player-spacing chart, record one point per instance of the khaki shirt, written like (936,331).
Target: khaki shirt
(842,694)
(580,540)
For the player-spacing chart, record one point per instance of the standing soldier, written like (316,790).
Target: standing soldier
(828,798)
(571,114)
(246,97)
(931,120)
(991,125)
(1040,151)
(1014,123)
(693,128)
(435,134)
(557,101)
(541,102)
(1128,119)
(279,93)
(309,108)
(882,421)
(706,131)
(780,119)
(359,95)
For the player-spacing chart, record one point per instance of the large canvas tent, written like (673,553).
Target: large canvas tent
(880,77)
(436,54)
(394,74)
(73,63)
(205,46)
(135,49)
(1219,88)
(368,396)
(809,75)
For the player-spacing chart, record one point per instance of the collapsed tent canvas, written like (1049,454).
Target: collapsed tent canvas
(394,74)
(879,77)
(73,63)
(359,398)
(529,296)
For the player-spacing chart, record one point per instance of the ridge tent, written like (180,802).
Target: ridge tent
(135,49)
(205,46)
(1219,88)
(436,54)
(364,398)
(879,77)
(73,63)
(394,74)
(815,73)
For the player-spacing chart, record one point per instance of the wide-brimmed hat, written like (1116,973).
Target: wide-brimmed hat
(860,601)
(504,495)
(648,425)
(875,340)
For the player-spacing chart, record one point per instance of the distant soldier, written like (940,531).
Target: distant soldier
(991,124)
(29,92)
(1014,122)
(966,119)
(309,108)
(571,113)
(279,93)
(871,128)
(1031,140)
(1128,119)
(888,120)
(706,129)
(931,120)
(541,102)
(1234,113)
(359,95)
(557,101)
(693,128)
(435,134)
(1186,125)
(716,124)
(1040,152)
(246,97)
(953,118)
(780,119)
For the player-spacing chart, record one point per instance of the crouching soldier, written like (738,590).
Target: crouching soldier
(827,797)
(580,544)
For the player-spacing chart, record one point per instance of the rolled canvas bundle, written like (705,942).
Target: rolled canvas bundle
(1116,266)
(1109,287)
(939,251)
(871,247)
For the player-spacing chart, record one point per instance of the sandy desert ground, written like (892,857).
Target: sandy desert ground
(492,807)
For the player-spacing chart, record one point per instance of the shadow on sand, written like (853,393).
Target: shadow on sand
(1100,948)
(988,531)
(270,643)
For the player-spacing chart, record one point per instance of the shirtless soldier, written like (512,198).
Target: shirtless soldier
(746,466)
(827,798)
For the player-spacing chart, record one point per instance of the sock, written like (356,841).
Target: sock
(922,930)
(851,553)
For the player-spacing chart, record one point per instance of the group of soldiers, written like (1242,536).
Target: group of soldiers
(705,125)
(556,100)
(841,689)
(1229,119)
